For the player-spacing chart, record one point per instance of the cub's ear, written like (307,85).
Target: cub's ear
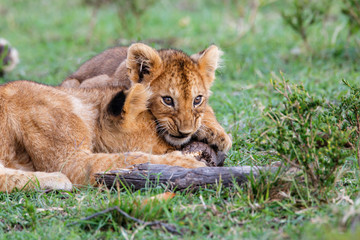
(208,61)
(143,63)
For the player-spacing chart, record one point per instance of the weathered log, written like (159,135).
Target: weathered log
(177,178)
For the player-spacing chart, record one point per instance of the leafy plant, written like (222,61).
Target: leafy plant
(265,186)
(300,15)
(352,11)
(132,9)
(128,11)
(306,134)
(348,114)
(31,213)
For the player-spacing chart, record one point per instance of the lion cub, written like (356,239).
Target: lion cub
(180,86)
(46,130)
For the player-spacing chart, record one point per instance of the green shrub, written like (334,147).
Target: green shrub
(309,133)
(348,115)
(351,10)
(300,15)
(129,13)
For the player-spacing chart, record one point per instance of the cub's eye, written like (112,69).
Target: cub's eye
(168,101)
(198,100)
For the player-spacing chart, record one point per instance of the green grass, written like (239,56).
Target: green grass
(53,39)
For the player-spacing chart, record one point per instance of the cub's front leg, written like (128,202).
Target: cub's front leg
(80,169)
(213,132)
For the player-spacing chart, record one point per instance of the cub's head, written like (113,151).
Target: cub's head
(180,86)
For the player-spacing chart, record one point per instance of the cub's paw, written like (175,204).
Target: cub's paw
(215,137)
(222,142)
(180,159)
(192,162)
(53,181)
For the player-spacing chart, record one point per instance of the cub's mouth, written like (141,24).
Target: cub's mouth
(178,137)
(176,141)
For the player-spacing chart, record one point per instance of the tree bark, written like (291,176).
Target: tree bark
(177,178)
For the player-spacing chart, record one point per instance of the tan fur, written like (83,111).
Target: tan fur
(74,131)
(167,73)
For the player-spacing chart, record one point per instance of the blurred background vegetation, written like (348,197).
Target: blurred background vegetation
(258,36)
(312,43)
(316,42)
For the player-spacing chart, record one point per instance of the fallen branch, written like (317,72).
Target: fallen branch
(168,227)
(177,178)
